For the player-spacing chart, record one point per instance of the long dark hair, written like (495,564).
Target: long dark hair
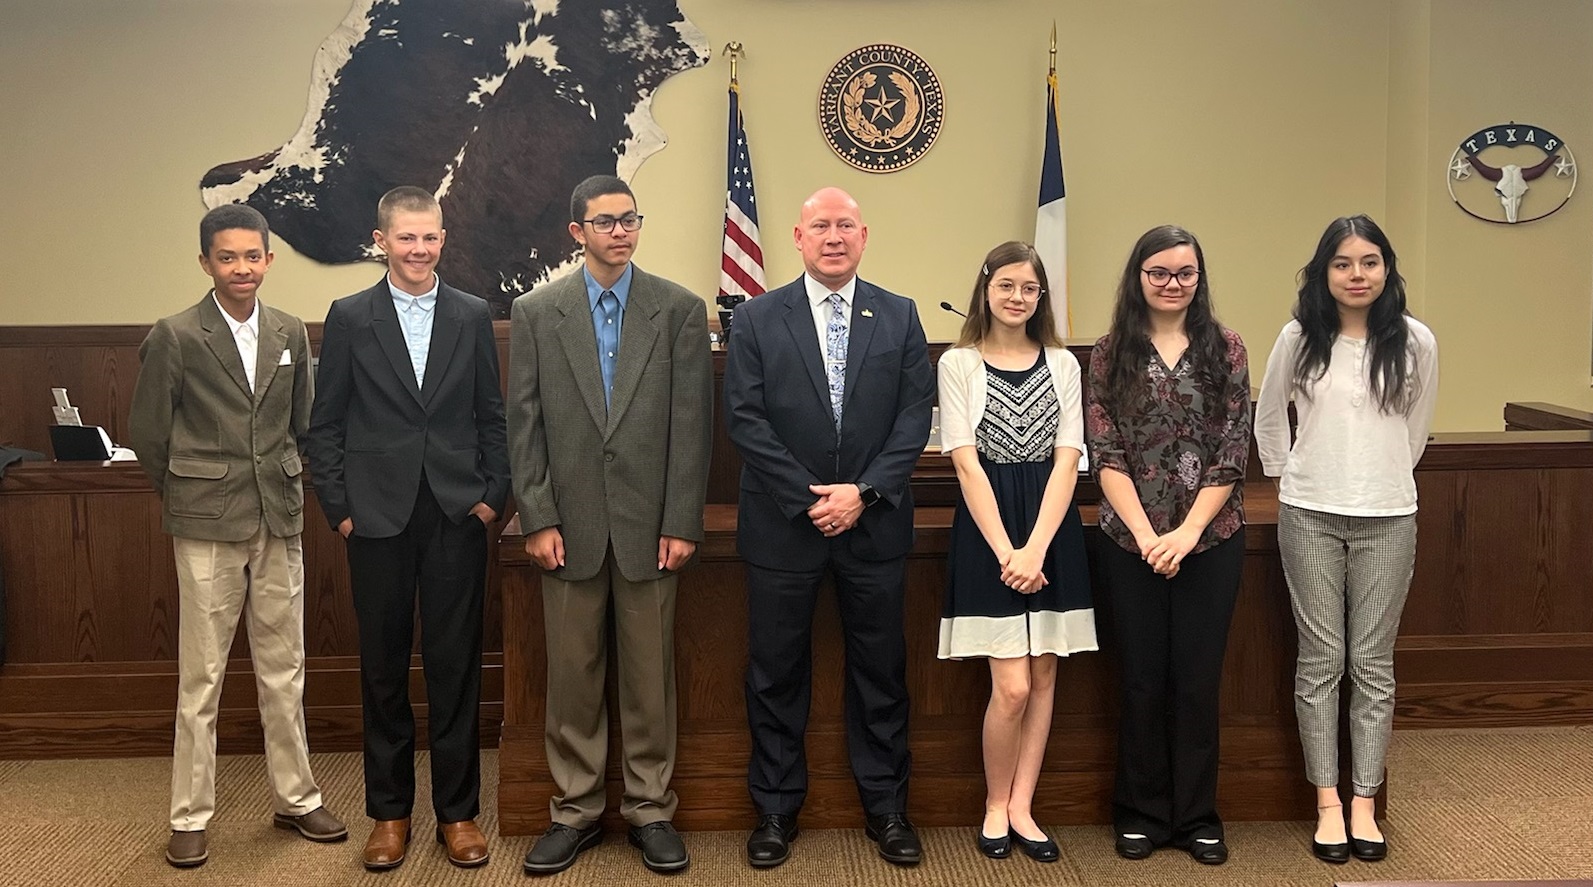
(1392,377)
(1129,348)
(1041,326)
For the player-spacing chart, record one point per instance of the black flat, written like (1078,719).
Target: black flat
(995,848)
(1039,851)
(1337,854)
(1209,854)
(1368,851)
(1134,848)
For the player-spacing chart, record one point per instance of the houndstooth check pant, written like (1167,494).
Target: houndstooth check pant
(1348,577)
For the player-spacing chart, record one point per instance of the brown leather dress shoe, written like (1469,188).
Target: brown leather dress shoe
(386,846)
(467,846)
(187,849)
(317,825)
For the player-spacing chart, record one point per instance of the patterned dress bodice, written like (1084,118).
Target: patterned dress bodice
(1021,415)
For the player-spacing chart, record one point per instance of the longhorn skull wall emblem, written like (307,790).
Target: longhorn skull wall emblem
(1520,154)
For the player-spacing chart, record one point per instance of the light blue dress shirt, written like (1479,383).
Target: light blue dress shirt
(607,330)
(415,316)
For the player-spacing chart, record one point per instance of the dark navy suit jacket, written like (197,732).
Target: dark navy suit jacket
(777,409)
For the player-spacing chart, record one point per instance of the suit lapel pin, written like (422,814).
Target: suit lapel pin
(867,313)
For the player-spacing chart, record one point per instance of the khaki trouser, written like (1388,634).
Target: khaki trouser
(217,581)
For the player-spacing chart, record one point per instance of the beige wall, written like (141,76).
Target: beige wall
(1252,122)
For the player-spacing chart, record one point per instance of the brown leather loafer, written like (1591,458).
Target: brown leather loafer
(385,848)
(317,825)
(187,849)
(467,846)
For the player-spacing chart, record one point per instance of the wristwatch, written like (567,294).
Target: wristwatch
(868,494)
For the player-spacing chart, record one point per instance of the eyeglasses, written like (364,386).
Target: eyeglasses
(1006,288)
(605,224)
(1160,276)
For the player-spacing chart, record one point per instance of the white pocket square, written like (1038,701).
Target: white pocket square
(287,358)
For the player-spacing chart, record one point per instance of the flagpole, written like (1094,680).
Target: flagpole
(1053,54)
(734,50)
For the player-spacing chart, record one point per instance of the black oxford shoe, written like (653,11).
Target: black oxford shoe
(558,847)
(770,843)
(898,843)
(662,849)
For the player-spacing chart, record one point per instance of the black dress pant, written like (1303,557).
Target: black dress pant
(779,684)
(1171,637)
(446,565)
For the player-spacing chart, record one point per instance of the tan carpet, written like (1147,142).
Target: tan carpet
(1467,805)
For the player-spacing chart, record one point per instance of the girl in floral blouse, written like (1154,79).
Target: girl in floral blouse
(1168,431)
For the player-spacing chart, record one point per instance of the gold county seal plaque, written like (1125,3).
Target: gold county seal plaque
(881,108)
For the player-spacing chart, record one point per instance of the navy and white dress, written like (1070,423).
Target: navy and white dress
(1015,420)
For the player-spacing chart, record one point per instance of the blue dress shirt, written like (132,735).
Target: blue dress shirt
(415,316)
(607,329)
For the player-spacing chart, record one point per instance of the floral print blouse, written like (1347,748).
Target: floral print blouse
(1173,449)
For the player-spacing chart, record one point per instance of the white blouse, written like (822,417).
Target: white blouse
(961,374)
(1348,457)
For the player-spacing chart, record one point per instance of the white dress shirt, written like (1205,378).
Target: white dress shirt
(819,300)
(1348,456)
(246,335)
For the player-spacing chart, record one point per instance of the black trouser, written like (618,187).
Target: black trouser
(447,564)
(779,683)
(1171,636)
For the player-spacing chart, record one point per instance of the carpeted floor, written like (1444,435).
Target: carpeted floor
(1467,805)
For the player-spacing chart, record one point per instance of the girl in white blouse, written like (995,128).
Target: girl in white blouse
(1363,377)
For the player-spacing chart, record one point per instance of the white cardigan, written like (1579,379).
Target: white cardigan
(961,373)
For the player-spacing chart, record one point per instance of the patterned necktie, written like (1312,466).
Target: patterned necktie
(607,340)
(835,348)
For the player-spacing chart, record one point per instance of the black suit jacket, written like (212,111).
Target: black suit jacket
(777,409)
(373,430)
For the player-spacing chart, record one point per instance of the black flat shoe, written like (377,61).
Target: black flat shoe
(1039,851)
(1209,854)
(1368,851)
(1337,854)
(1134,848)
(770,843)
(995,848)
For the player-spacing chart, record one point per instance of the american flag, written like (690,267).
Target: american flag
(741,269)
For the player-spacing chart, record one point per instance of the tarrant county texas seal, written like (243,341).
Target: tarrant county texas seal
(881,108)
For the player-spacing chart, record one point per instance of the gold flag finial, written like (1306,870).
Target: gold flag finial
(1053,47)
(734,50)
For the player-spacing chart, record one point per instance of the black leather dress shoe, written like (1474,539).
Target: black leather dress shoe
(996,848)
(898,843)
(1368,851)
(1337,854)
(1134,848)
(558,847)
(1040,851)
(662,849)
(1209,853)
(770,843)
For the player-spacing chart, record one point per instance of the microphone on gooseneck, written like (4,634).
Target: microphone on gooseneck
(947,306)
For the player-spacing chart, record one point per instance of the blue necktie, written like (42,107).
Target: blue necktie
(607,340)
(835,348)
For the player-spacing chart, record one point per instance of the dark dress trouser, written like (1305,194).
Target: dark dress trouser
(779,685)
(447,564)
(1171,637)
